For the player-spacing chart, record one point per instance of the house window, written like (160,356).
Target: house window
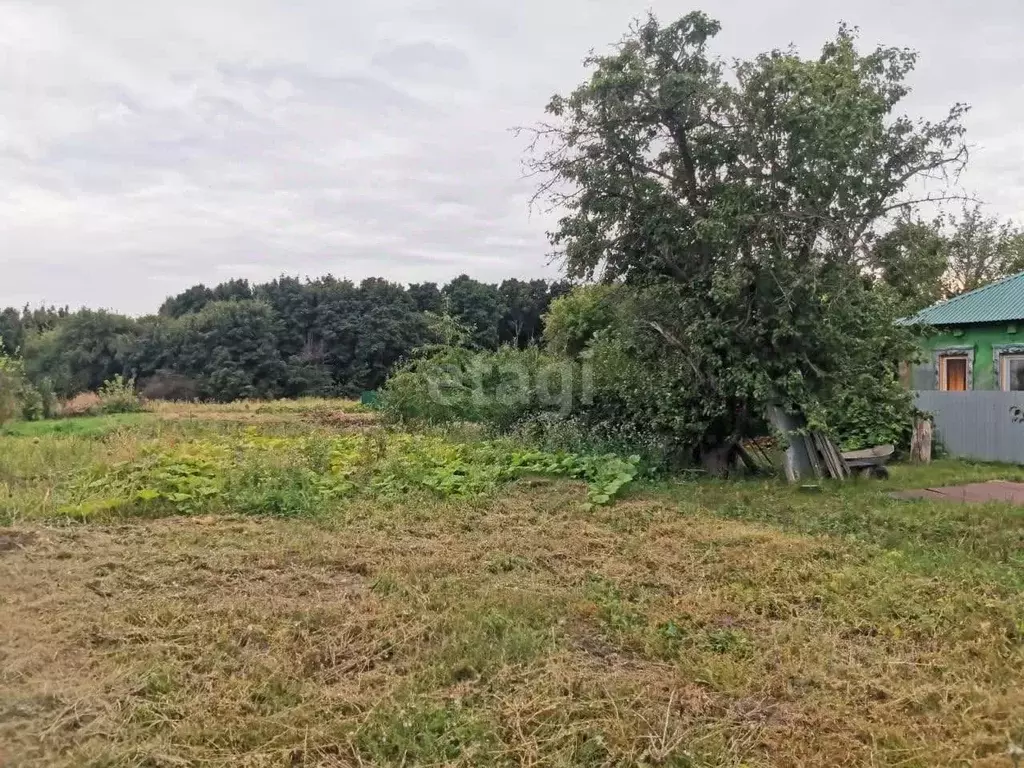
(1011,375)
(953,373)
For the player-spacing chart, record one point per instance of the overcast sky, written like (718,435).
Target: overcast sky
(147,146)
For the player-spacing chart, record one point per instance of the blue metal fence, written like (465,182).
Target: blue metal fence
(979,424)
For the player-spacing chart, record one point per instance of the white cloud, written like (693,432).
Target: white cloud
(147,146)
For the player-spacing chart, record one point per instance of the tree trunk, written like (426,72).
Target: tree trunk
(921,442)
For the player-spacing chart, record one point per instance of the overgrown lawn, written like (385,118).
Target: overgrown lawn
(688,624)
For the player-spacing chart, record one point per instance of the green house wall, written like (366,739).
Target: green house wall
(980,338)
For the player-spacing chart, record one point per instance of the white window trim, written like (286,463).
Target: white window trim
(1004,359)
(999,351)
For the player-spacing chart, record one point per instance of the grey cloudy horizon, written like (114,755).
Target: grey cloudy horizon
(147,147)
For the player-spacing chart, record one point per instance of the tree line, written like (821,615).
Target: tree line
(284,338)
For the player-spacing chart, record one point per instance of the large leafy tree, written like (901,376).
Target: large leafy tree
(426,296)
(390,328)
(739,197)
(295,306)
(923,262)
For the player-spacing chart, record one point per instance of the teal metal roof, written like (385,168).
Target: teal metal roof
(996,302)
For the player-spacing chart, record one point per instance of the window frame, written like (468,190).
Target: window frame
(944,372)
(940,355)
(1004,359)
(1000,351)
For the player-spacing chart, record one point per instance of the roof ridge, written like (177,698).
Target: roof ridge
(921,314)
(980,289)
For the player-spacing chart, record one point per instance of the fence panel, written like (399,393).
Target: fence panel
(983,425)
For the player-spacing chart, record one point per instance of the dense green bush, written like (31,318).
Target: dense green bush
(118,395)
(573,320)
(18,398)
(628,392)
(499,389)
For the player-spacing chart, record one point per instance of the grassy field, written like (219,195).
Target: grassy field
(290,585)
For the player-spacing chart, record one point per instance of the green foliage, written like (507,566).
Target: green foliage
(429,733)
(923,262)
(10,393)
(477,306)
(187,302)
(861,411)
(47,397)
(297,476)
(497,389)
(911,260)
(85,426)
(118,395)
(12,331)
(230,347)
(81,351)
(426,297)
(33,408)
(524,304)
(575,319)
(185,480)
(18,398)
(981,249)
(737,200)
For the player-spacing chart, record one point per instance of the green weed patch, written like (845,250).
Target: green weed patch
(88,426)
(293,476)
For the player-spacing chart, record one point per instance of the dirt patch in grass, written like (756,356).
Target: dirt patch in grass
(325,411)
(12,539)
(333,419)
(972,493)
(518,632)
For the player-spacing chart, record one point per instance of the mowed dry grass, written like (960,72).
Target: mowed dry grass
(515,631)
(314,410)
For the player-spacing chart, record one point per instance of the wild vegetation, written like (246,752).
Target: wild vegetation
(288,583)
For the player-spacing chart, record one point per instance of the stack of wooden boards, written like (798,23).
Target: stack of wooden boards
(824,456)
(809,452)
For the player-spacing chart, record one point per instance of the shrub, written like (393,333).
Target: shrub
(47,398)
(118,395)
(32,408)
(498,389)
(9,402)
(573,320)
(17,395)
(82,404)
